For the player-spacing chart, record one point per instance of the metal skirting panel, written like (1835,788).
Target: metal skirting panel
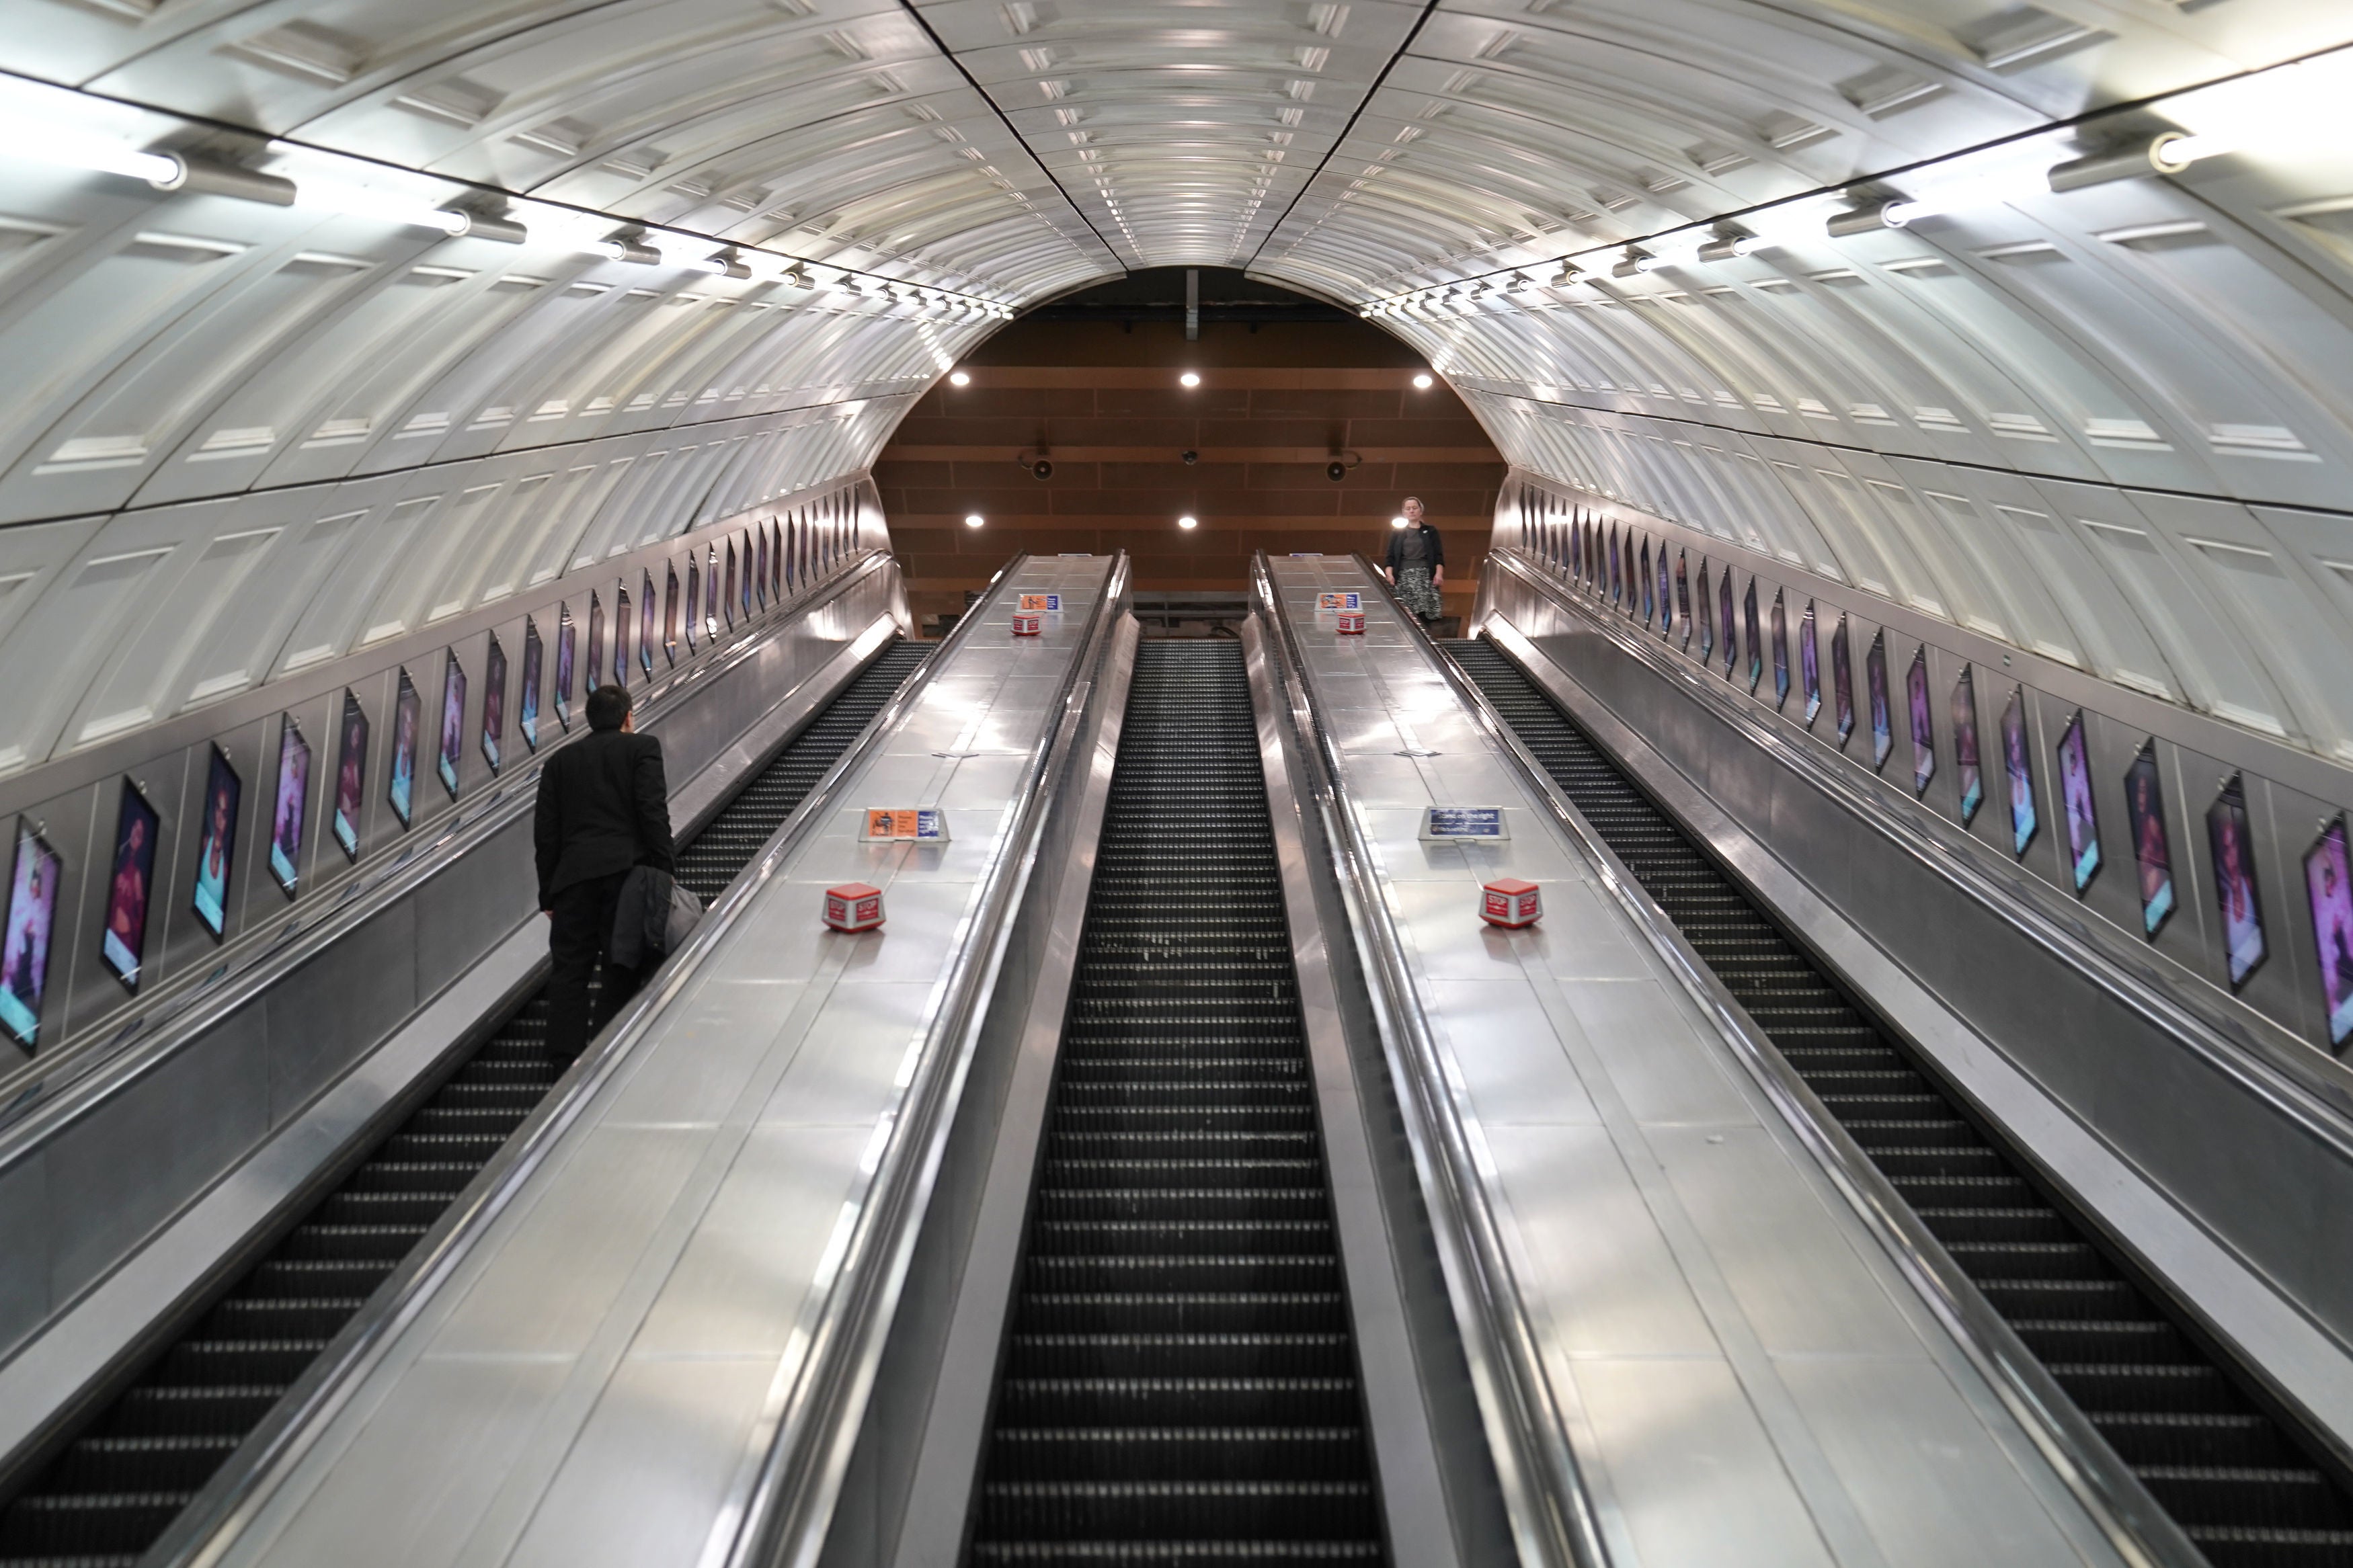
(271,1074)
(2221,1181)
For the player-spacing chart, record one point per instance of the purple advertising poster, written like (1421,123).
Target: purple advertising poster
(595,643)
(1874,675)
(350,774)
(2152,846)
(2232,844)
(1780,652)
(453,723)
(217,844)
(2328,883)
(563,649)
(124,942)
(1968,770)
(1706,621)
(288,807)
(1843,682)
(494,704)
(527,702)
(2018,764)
(407,719)
(620,636)
(32,920)
(2076,795)
(1810,663)
(1723,619)
(1923,732)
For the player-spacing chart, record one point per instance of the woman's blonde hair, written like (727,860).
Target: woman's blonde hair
(1416,500)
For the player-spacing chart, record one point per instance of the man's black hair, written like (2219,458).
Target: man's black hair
(608,706)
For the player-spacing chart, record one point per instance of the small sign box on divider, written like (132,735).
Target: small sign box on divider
(1336,599)
(1035,604)
(1455,824)
(904,825)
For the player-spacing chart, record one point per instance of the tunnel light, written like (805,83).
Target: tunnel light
(69,148)
(1672,251)
(1188,523)
(1421,381)
(972,520)
(2298,104)
(1189,379)
(959,378)
(385,207)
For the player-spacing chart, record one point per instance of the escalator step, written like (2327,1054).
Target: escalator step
(1180,1384)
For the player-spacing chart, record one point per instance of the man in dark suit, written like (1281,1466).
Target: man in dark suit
(603,807)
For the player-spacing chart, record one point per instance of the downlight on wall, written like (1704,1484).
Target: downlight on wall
(1190,378)
(1421,382)
(959,378)
(1189,523)
(973,519)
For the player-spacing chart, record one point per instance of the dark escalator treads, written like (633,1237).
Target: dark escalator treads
(121,1483)
(2228,1474)
(1179,1387)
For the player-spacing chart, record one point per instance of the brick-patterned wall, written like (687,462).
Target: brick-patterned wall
(1273,407)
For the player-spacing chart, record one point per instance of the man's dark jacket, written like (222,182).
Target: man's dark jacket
(1433,553)
(603,807)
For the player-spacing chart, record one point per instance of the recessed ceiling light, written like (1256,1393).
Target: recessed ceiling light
(1189,379)
(972,520)
(1189,523)
(959,378)
(1421,382)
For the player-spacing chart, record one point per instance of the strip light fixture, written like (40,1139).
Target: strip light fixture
(54,139)
(2298,104)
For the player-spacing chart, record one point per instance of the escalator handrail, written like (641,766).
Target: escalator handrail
(74,1079)
(1544,1495)
(210,1527)
(2140,1530)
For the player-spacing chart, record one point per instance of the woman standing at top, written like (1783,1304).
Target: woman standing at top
(1415,563)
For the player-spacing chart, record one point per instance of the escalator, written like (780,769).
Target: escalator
(2231,1476)
(118,1485)
(1179,1384)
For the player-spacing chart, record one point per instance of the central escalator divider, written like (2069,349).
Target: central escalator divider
(119,1485)
(1180,1384)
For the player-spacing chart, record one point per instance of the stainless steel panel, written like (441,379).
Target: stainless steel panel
(111,1181)
(587,1231)
(1509,1059)
(1696,1476)
(314,1017)
(1641,1033)
(1598,1258)
(738,1288)
(607,1507)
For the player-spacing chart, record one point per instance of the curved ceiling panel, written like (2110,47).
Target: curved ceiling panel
(706,251)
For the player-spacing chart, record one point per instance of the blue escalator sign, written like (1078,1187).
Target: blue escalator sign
(1464,822)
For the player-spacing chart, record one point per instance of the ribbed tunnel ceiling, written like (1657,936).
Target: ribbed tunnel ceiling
(2111,426)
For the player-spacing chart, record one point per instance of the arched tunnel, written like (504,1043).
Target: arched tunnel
(1878,571)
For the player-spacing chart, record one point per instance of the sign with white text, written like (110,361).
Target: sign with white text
(1454,822)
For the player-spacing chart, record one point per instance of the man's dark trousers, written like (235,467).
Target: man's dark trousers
(581,925)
